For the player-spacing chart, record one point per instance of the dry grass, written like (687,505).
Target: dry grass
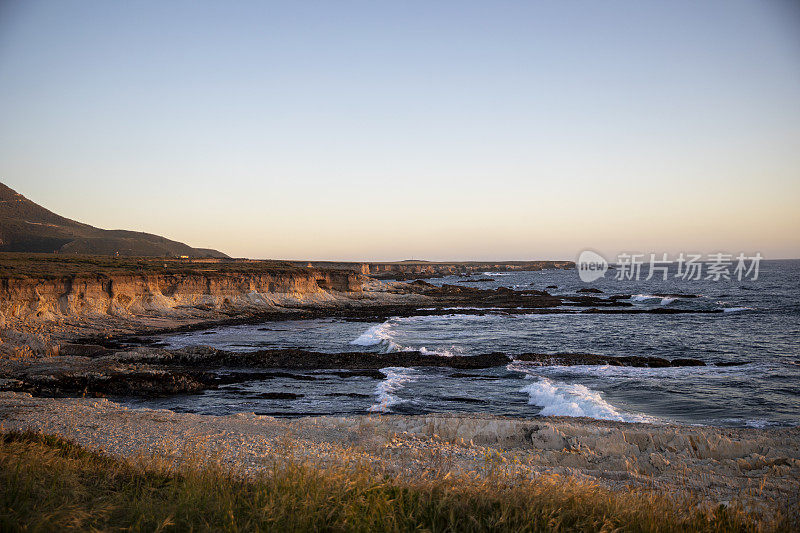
(56,266)
(47,483)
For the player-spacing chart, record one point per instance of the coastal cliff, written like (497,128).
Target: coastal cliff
(47,300)
(45,287)
(407,270)
(129,294)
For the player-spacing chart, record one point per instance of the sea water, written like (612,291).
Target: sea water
(759,327)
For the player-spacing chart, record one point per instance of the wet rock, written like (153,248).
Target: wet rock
(86,350)
(10,384)
(365,373)
(301,359)
(591,301)
(206,358)
(572,359)
(136,383)
(687,362)
(453,295)
(241,377)
(590,290)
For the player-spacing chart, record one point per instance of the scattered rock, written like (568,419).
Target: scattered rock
(572,359)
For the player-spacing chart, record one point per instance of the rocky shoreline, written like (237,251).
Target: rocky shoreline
(145,371)
(757,468)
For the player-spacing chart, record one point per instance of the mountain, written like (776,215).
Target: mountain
(29,227)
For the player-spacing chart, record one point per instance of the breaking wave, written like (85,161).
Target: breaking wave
(378,335)
(385,396)
(565,399)
(665,300)
(382,335)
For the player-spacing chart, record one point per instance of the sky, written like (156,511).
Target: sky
(411,129)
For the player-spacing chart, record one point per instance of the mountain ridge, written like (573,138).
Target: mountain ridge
(25,226)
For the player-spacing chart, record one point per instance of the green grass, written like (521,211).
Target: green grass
(49,484)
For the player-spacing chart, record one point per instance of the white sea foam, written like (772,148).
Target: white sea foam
(557,398)
(665,300)
(379,334)
(491,313)
(759,423)
(736,309)
(644,297)
(564,399)
(438,351)
(385,396)
(497,273)
(383,335)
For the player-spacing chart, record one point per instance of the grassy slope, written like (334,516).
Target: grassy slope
(48,484)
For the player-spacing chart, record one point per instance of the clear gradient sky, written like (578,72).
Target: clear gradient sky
(391,130)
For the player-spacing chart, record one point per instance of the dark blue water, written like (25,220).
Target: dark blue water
(760,326)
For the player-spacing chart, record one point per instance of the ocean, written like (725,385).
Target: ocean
(758,331)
